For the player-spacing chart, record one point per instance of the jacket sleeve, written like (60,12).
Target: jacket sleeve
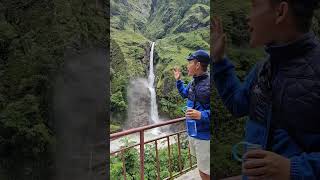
(183,90)
(205,115)
(305,166)
(235,95)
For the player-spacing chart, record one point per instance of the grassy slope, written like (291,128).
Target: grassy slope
(131,45)
(127,50)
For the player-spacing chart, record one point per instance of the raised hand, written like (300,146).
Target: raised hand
(176,73)
(218,38)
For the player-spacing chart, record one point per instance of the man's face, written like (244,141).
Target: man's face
(261,23)
(193,67)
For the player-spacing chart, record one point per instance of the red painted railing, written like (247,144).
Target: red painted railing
(141,131)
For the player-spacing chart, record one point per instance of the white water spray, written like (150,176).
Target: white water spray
(154,117)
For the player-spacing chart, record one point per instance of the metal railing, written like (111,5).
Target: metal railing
(141,131)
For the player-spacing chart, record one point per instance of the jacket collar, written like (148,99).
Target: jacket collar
(200,77)
(285,52)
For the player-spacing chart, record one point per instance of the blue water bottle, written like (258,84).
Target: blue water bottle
(191,126)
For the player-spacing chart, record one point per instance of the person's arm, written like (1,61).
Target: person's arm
(305,166)
(234,95)
(183,90)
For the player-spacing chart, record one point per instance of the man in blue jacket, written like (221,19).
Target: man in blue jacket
(281,94)
(198,103)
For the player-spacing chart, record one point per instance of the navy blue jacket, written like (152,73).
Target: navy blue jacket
(284,115)
(198,94)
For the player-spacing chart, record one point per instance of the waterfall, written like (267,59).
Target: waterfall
(154,117)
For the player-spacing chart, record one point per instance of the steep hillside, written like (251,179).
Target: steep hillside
(130,14)
(172,51)
(177,16)
(34,36)
(178,27)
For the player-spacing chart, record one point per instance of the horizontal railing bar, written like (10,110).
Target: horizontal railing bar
(165,136)
(124,149)
(183,171)
(143,128)
(148,141)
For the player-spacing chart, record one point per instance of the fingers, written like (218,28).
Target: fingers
(175,70)
(190,113)
(253,163)
(220,28)
(193,114)
(214,32)
(224,37)
(255,154)
(222,40)
(213,24)
(255,171)
(216,26)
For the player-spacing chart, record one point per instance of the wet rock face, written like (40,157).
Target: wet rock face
(139,104)
(168,85)
(80,111)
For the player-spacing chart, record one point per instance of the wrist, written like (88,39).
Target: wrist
(294,169)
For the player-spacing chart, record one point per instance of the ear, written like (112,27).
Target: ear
(198,65)
(282,12)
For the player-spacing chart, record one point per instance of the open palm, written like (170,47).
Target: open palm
(218,39)
(176,73)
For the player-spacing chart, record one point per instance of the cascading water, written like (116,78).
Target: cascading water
(135,96)
(154,117)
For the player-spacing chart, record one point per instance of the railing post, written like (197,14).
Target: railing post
(142,150)
(142,155)
(190,158)
(124,165)
(170,167)
(157,157)
(179,151)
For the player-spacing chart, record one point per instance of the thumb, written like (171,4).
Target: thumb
(223,39)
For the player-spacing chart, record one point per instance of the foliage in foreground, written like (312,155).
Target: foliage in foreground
(131,159)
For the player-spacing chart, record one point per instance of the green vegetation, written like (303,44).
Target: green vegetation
(33,39)
(172,51)
(178,28)
(114,128)
(132,164)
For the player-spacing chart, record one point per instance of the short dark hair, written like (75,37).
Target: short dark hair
(303,10)
(204,66)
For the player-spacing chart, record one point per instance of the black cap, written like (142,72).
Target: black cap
(199,55)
